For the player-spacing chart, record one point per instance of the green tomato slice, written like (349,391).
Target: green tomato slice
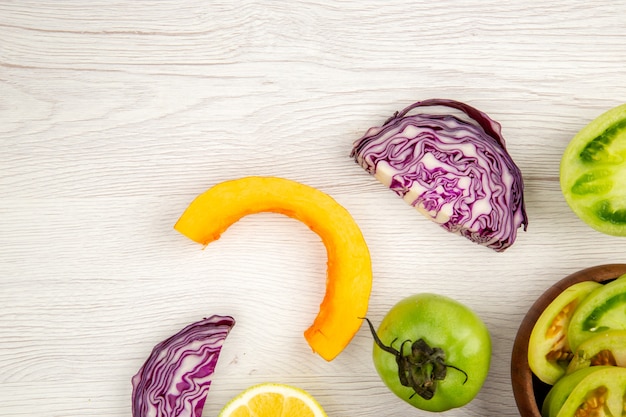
(561,390)
(599,393)
(604,309)
(605,348)
(593,173)
(548,348)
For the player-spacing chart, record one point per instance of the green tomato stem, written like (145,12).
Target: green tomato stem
(421,367)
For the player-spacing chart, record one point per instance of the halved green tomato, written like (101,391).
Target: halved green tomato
(593,173)
(605,348)
(561,390)
(604,309)
(600,392)
(548,347)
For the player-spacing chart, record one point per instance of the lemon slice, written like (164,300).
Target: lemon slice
(273,400)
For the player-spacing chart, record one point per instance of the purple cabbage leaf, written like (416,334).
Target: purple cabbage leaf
(174,381)
(452,166)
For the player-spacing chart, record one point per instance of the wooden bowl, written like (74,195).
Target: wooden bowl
(528,390)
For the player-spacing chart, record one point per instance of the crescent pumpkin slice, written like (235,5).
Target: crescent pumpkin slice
(349,270)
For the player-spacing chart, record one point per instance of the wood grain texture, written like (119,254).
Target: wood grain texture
(114,115)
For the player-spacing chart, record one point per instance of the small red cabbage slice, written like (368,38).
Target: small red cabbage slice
(175,379)
(451,165)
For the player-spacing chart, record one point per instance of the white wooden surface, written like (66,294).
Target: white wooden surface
(114,115)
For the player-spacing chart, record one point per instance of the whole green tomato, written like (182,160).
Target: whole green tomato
(432,351)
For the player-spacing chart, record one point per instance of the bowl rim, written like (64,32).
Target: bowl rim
(522,378)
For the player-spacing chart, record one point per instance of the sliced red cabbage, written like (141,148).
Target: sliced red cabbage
(455,169)
(175,379)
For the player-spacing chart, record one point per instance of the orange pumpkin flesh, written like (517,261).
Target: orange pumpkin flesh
(349,274)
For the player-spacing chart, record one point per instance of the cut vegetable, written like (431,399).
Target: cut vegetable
(593,173)
(604,309)
(605,348)
(349,275)
(454,170)
(600,392)
(175,379)
(548,348)
(560,391)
